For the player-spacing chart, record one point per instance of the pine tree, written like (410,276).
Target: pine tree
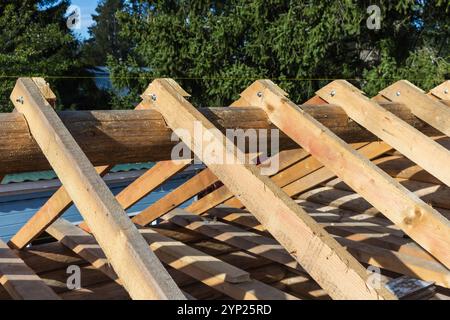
(216,48)
(105,35)
(35,42)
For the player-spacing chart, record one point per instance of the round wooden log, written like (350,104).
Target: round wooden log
(129,136)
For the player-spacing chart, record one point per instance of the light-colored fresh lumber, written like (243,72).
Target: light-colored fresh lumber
(413,144)
(281,179)
(421,105)
(406,258)
(176,197)
(436,195)
(161,172)
(19,280)
(270,249)
(211,271)
(55,206)
(319,254)
(401,167)
(406,210)
(317,177)
(60,201)
(442,91)
(198,183)
(141,273)
(149,181)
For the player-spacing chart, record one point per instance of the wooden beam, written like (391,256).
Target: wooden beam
(442,91)
(211,271)
(60,201)
(319,254)
(402,258)
(141,273)
(55,206)
(281,179)
(45,90)
(391,129)
(432,112)
(19,280)
(406,210)
(371,151)
(176,197)
(148,182)
(197,184)
(130,136)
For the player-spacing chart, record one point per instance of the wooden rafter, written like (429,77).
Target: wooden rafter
(60,201)
(390,128)
(441,91)
(403,258)
(19,280)
(211,271)
(281,179)
(432,112)
(407,211)
(141,273)
(195,185)
(309,243)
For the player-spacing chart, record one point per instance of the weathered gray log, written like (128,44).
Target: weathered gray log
(129,136)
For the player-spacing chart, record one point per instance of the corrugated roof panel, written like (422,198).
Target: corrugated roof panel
(50,175)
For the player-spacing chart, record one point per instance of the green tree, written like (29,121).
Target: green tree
(216,48)
(105,35)
(35,42)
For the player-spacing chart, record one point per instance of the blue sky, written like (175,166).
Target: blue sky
(87,9)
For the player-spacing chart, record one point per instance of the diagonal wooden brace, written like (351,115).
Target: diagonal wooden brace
(140,271)
(421,105)
(318,253)
(402,207)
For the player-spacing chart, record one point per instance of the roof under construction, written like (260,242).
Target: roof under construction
(362,188)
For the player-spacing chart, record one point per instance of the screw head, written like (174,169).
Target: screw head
(153,96)
(333,93)
(259,94)
(446,90)
(398,93)
(20,100)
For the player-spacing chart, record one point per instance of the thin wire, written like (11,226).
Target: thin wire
(201,78)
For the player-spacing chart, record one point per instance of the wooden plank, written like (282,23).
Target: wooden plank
(281,179)
(402,258)
(19,280)
(442,91)
(432,112)
(270,249)
(406,210)
(175,198)
(197,184)
(148,182)
(55,206)
(211,271)
(141,273)
(319,254)
(60,201)
(393,130)
(324,174)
